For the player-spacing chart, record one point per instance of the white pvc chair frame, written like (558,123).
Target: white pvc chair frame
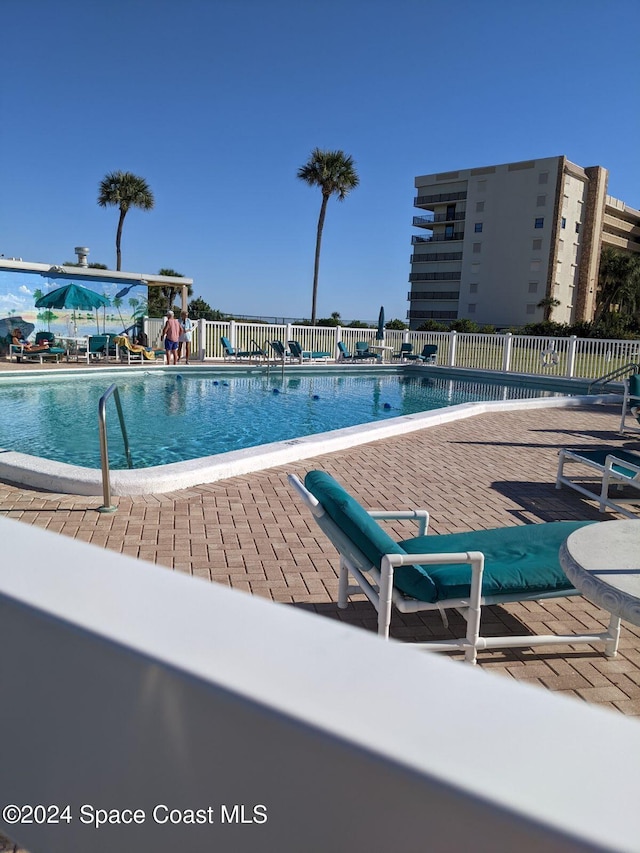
(630,406)
(607,474)
(377,585)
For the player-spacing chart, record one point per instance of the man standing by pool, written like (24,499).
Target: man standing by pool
(171,335)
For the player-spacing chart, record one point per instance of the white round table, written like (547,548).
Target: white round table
(602,561)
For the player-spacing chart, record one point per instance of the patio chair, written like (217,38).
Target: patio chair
(99,348)
(429,354)
(306,355)
(631,403)
(461,571)
(21,353)
(613,466)
(405,352)
(230,352)
(363,353)
(343,352)
(135,352)
(280,350)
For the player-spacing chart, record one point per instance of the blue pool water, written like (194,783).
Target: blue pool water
(172,416)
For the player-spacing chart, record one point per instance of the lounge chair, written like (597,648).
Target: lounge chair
(135,352)
(461,571)
(405,352)
(100,348)
(631,403)
(343,352)
(41,352)
(280,350)
(363,353)
(230,352)
(306,355)
(613,466)
(429,354)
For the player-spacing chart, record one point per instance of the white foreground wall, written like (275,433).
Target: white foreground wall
(128,686)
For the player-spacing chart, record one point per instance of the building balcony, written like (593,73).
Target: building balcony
(437,238)
(440,295)
(431,315)
(435,276)
(433,257)
(438,198)
(431,218)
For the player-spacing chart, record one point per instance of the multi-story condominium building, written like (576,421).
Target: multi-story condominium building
(498,240)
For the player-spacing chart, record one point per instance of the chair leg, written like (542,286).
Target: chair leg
(343,583)
(384,598)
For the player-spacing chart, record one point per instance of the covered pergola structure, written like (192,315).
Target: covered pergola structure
(87,276)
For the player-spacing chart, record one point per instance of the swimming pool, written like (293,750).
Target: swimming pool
(188,415)
(198,425)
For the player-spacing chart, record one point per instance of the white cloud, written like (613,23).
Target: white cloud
(24,289)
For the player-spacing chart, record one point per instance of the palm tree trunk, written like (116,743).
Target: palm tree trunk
(316,266)
(123,213)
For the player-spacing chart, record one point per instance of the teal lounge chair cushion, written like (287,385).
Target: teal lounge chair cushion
(521,559)
(365,533)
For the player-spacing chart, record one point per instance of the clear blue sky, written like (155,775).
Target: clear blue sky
(218,102)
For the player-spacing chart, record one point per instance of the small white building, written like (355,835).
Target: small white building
(498,240)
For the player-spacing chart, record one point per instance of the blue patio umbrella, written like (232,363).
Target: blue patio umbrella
(380,331)
(75,297)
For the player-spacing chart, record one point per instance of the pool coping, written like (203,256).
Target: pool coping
(61,477)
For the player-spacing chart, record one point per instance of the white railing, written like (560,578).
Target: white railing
(571,357)
(252,726)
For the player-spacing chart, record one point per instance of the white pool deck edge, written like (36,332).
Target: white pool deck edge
(35,472)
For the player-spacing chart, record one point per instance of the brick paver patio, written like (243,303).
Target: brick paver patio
(249,532)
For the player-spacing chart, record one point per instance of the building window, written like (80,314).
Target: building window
(577,227)
(473,288)
(478,228)
(482,186)
(476,248)
(541,201)
(533,287)
(472,307)
(535,266)
(479,206)
(531,308)
(537,244)
(539,222)
(563,222)
(543,178)
(475,268)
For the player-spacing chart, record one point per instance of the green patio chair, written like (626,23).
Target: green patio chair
(459,571)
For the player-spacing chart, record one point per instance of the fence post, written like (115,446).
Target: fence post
(506,352)
(289,333)
(452,348)
(202,339)
(232,333)
(338,338)
(571,356)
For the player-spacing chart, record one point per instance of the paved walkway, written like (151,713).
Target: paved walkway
(490,470)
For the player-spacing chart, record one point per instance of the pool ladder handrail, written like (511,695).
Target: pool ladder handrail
(630,368)
(112,391)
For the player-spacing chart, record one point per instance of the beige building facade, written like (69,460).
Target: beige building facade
(496,241)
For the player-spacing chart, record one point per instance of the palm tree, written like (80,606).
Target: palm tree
(168,292)
(124,190)
(549,303)
(334,172)
(618,281)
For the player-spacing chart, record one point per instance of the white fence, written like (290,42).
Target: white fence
(572,357)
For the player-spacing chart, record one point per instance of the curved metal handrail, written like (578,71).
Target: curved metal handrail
(112,391)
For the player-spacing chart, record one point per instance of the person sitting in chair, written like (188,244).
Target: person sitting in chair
(18,341)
